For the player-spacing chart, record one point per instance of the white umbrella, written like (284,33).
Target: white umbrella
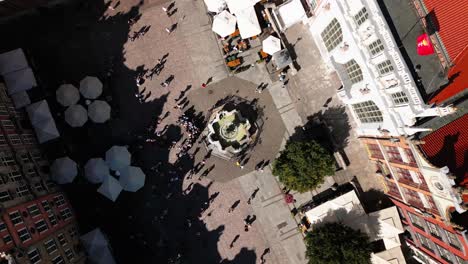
(96,169)
(271,45)
(99,111)
(93,240)
(224,24)
(110,188)
(132,178)
(215,6)
(46,130)
(39,112)
(76,115)
(90,87)
(63,170)
(247,22)
(236,6)
(67,94)
(118,157)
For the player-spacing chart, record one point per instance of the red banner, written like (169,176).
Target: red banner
(424,46)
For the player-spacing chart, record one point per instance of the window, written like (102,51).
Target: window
(65,213)
(16,217)
(36,155)
(7,239)
(8,160)
(3,111)
(58,260)
(368,112)
(445,254)
(34,256)
(400,98)
(393,154)
(7,124)
(313,4)
(425,242)
(59,200)
(403,174)
(50,246)
(52,219)
(31,173)
(5,196)
(41,226)
(375,152)
(15,175)
(22,191)
(34,210)
(39,187)
(50,184)
(385,67)
(72,231)
(433,229)
(2,140)
(361,16)
(453,240)
(62,239)
(416,220)
(69,254)
(46,205)
(376,47)
(25,158)
(2,226)
(24,235)
(410,156)
(15,139)
(29,139)
(332,35)
(354,71)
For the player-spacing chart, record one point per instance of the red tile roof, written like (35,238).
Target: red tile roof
(448,146)
(458,79)
(453,23)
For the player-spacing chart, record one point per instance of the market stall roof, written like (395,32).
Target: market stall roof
(215,6)
(39,112)
(271,45)
(67,94)
(46,130)
(110,188)
(20,99)
(12,60)
(282,59)
(237,6)
(90,87)
(63,170)
(132,178)
(99,111)
(76,115)
(20,80)
(248,24)
(224,24)
(118,157)
(96,170)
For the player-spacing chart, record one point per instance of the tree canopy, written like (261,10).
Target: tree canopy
(335,243)
(303,165)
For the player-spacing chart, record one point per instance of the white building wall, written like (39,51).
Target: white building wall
(397,119)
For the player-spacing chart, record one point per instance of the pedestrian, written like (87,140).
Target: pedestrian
(203,85)
(168,30)
(164,84)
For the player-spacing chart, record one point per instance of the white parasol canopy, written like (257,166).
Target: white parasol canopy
(67,94)
(46,130)
(39,112)
(90,87)
(132,178)
(99,111)
(247,22)
(215,6)
(63,170)
(97,247)
(76,115)
(271,45)
(118,157)
(224,24)
(110,188)
(237,6)
(96,170)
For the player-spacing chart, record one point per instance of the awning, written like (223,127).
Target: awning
(20,99)
(224,24)
(237,6)
(20,80)
(99,111)
(282,59)
(110,188)
(248,23)
(67,94)
(118,157)
(215,6)
(39,112)
(96,170)
(271,45)
(76,115)
(132,178)
(63,170)
(90,87)
(46,130)
(12,61)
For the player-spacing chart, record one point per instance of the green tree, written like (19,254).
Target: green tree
(334,243)
(303,165)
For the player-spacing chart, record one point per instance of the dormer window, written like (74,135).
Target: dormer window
(332,35)
(354,71)
(361,16)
